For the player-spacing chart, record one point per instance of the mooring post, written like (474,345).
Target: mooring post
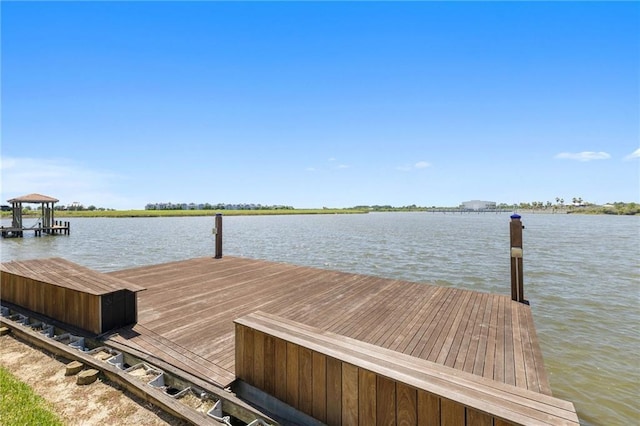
(218,232)
(517,276)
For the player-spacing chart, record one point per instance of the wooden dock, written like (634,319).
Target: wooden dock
(58,228)
(185,317)
(335,347)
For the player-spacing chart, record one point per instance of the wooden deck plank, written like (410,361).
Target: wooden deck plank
(349,394)
(319,396)
(428,409)
(486,346)
(334,391)
(403,337)
(477,335)
(429,324)
(392,314)
(407,405)
(366,397)
(499,360)
(377,308)
(437,339)
(509,355)
(185,361)
(347,305)
(540,379)
(459,323)
(303,308)
(519,366)
(385,401)
(465,349)
(409,314)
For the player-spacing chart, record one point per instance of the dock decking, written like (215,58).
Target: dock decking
(186,317)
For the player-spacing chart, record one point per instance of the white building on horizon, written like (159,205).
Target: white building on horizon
(479,205)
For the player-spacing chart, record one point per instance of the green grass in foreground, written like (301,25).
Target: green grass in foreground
(19,405)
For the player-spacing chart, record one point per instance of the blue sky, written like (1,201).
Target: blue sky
(312,104)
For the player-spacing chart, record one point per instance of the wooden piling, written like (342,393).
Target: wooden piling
(218,231)
(517,276)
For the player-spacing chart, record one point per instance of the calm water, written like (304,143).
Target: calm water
(582,274)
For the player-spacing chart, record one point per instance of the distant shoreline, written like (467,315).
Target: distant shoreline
(188,213)
(599,210)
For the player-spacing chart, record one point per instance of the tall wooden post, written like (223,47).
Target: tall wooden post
(218,232)
(517,276)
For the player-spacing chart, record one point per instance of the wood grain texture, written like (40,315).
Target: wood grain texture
(334,391)
(293,372)
(451,414)
(428,409)
(407,405)
(349,394)
(477,418)
(366,397)
(386,401)
(319,410)
(280,372)
(305,377)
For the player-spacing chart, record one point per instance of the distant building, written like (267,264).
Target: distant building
(479,205)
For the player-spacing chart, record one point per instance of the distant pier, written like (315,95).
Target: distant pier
(45,224)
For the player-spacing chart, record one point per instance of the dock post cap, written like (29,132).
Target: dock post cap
(515,216)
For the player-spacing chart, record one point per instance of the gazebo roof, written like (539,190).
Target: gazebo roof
(33,198)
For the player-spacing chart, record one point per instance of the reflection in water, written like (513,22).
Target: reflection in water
(581,274)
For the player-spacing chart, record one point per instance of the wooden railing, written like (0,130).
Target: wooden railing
(342,381)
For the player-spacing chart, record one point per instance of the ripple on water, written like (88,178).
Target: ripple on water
(581,274)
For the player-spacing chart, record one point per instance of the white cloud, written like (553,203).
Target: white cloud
(583,156)
(311,169)
(634,154)
(343,166)
(60,178)
(417,166)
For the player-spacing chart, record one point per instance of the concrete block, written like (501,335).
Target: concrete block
(74,367)
(87,377)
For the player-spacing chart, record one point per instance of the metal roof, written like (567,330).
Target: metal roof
(33,198)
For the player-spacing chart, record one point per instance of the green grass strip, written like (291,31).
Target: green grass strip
(60,215)
(19,405)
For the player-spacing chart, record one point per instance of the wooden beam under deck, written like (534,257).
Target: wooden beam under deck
(186,317)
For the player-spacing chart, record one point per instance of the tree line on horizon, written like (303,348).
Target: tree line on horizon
(219,206)
(577,205)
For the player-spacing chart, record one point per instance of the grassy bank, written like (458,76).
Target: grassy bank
(617,209)
(19,405)
(179,213)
